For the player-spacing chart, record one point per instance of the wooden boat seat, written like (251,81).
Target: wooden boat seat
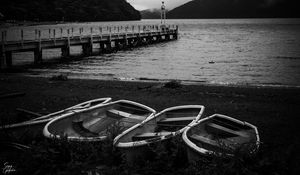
(152,134)
(219,129)
(231,125)
(204,140)
(176,119)
(78,128)
(96,125)
(88,123)
(122,114)
(220,144)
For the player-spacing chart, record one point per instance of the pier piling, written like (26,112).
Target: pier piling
(2,52)
(8,56)
(38,53)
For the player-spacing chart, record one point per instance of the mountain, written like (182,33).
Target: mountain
(68,10)
(150,14)
(236,9)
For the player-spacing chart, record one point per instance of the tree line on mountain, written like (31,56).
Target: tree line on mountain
(230,9)
(236,9)
(68,10)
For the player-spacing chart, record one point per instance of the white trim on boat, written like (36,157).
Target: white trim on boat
(193,146)
(148,141)
(99,138)
(47,118)
(79,106)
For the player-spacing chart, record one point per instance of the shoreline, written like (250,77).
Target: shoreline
(17,82)
(182,82)
(27,73)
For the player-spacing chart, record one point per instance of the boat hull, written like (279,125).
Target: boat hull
(34,128)
(137,142)
(219,135)
(149,152)
(98,123)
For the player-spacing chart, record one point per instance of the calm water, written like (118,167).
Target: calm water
(264,52)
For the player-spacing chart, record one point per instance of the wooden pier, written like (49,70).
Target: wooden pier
(117,39)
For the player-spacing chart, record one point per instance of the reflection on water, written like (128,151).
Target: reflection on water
(218,51)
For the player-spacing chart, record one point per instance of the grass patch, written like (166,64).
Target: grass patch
(60,156)
(173,84)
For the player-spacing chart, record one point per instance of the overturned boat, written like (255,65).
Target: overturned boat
(220,135)
(33,128)
(99,122)
(165,125)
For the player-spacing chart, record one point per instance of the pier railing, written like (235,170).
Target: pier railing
(60,32)
(109,38)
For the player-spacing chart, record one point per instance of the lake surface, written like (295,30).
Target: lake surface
(258,52)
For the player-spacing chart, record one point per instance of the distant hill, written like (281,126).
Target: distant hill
(68,10)
(151,13)
(236,9)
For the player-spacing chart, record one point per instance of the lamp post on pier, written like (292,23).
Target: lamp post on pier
(163,13)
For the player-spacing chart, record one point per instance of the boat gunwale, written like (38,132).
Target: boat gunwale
(161,138)
(51,116)
(106,100)
(47,134)
(204,151)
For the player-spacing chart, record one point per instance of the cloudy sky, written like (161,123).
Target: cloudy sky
(149,4)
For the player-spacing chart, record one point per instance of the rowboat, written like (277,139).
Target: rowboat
(99,122)
(163,126)
(33,128)
(220,135)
